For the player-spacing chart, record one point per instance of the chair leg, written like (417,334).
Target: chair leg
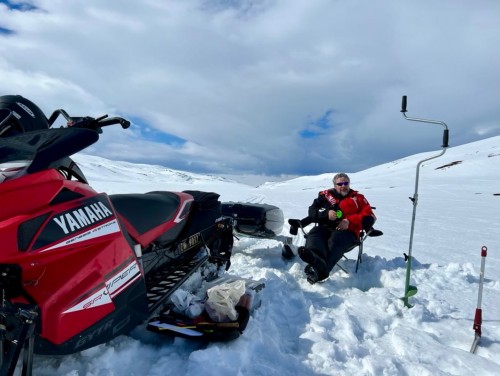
(341,268)
(360,253)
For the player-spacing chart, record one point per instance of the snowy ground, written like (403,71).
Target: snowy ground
(351,324)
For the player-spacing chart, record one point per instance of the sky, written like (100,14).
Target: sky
(351,324)
(260,87)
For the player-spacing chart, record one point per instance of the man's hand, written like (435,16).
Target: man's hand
(332,215)
(343,224)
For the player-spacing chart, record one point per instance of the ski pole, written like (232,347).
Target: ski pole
(478,319)
(412,290)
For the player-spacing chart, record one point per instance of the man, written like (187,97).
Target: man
(341,213)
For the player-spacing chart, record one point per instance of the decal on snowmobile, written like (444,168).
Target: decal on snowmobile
(104,229)
(101,297)
(114,286)
(124,278)
(26,108)
(82,217)
(112,325)
(83,221)
(184,211)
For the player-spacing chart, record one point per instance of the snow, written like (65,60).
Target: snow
(351,324)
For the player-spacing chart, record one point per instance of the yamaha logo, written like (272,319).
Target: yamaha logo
(91,219)
(82,217)
(26,108)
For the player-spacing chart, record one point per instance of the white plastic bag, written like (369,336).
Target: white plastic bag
(222,299)
(186,303)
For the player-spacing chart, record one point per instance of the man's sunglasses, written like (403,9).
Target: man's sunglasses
(345,184)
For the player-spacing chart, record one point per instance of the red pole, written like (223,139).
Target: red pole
(478,317)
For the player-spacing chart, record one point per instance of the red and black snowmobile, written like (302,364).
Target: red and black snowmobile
(78,267)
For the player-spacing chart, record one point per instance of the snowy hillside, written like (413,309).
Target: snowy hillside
(352,324)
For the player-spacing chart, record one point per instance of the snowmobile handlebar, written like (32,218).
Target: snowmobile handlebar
(87,121)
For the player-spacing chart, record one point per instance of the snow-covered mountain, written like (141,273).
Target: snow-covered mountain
(352,324)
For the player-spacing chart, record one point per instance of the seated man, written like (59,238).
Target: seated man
(341,213)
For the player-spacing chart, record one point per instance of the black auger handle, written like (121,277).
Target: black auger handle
(446,135)
(403,104)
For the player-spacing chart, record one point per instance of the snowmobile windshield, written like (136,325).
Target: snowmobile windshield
(36,151)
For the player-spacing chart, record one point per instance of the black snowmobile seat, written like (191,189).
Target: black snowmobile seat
(146,211)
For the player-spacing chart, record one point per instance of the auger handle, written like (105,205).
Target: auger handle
(403,104)
(446,135)
(446,132)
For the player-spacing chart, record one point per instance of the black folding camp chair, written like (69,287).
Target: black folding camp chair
(296,224)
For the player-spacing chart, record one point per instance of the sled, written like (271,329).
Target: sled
(202,327)
(255,220)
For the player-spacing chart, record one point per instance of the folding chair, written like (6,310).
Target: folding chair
(296,224)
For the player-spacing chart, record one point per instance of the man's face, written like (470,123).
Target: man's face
(342,186)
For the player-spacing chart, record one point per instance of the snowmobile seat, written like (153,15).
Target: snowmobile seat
(148,211)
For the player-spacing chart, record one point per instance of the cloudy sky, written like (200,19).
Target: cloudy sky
(203,80)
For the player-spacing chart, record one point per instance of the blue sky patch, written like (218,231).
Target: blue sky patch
(5,31)
(21,6)
(307,133)
(152,134)
(317,127)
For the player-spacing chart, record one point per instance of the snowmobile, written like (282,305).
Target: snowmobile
(78,267)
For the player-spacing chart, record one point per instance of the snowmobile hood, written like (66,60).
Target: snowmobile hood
(35,151)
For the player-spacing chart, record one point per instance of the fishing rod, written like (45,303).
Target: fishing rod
(478,316)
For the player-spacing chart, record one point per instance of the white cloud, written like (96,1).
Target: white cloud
(220,74)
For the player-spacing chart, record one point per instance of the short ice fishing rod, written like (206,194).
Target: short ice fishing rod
(412,290)
(478,317)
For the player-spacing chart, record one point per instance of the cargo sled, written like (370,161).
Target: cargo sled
(256,220)
(203,322)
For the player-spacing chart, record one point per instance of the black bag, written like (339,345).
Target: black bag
(206,208)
